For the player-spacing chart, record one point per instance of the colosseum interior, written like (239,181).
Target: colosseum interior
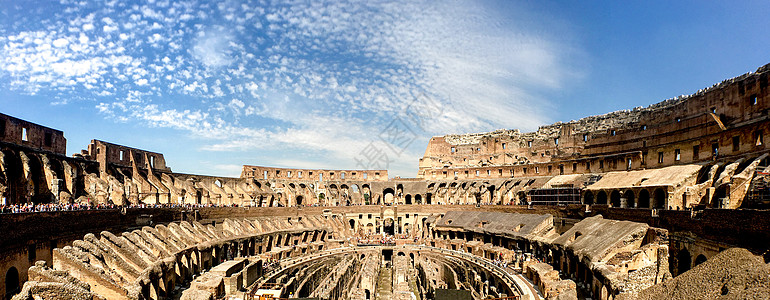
(660,202)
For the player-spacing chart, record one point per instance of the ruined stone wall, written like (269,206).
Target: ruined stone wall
(266,173)
(728,119)
(112,154)
(31,135)
(704,233)
(147,263)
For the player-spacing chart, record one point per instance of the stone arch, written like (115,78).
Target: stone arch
(522,196)
(37,189)
(615,198)
(491,189)
(298,200)
(388,195)
(408,199)
(389,226)
(417,199)
(12,283)
(428,198)
(699,260)
(601,197)
(278,200)
(588,198)
(629,195)
(720,196)
(352,224)
(366,194)
(644,199)
(659,199)
(684,261)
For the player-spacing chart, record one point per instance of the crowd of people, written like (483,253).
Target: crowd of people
(500,263)
(54,207)
(269,265)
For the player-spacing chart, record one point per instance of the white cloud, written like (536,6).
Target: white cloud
(110,28)
(60,42)
(211,48)
(306,77)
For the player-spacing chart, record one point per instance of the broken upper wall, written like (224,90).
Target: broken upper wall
(107,153)
(267,173)
(728,118)
(28,134)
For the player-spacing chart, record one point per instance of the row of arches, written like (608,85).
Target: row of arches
(640,198)
(685,262)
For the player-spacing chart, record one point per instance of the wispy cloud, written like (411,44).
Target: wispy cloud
(305,76)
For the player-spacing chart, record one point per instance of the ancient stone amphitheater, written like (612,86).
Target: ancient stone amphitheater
(666,201)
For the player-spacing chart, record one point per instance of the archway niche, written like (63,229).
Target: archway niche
(387,195)
(699,260)
(659,199)
(11,282)
(601,197)
(684,261)
(629,195)
(615,198)
(644,199)
(388,227)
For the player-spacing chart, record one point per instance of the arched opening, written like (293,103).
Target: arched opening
(418,199)
(588,198)
(11,282)
(699,260)
(218,183)
(299,200)
(368,294)
(601,197)
(683,261)
(720,196)
(615,198)
(629,195)
(491,190)
(644,199)
(388,227)
(408,199)
(198,197)
(659,199)
(522,196)
(428,197)
(352,224)
(387,195)
(366,194)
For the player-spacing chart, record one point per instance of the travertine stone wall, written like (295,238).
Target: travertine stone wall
(726,120)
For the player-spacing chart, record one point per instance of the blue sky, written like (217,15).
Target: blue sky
(310,84)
